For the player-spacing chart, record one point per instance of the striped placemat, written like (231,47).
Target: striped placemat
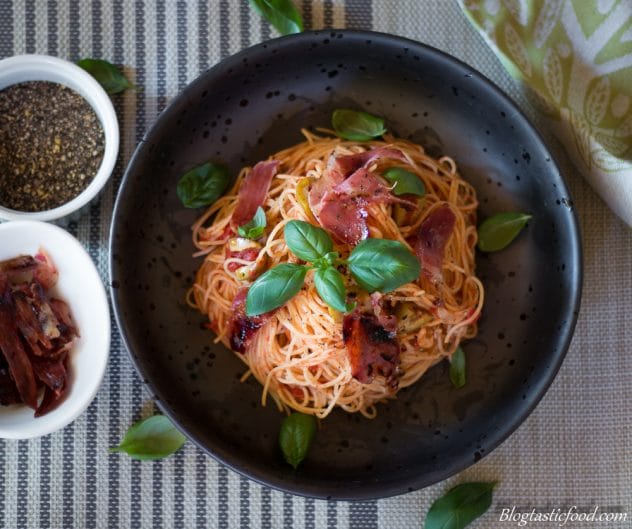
(573,451)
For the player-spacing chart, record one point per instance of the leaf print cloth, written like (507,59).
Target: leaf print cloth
(574,57)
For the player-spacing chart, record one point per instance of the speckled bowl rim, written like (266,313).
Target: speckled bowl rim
(33,67)
(370,491)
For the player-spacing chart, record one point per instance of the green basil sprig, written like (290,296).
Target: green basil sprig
(357,126)
(460,506)
(375,264)
(296,436)
(254,228)
(282,14)
(331,288)
(153,438)
(383,265)
(307,242)
(457,368)
(107,75)
(497,231)
(406,183)
(203,185)
(274,288)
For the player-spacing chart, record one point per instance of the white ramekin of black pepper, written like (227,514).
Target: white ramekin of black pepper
(59,138)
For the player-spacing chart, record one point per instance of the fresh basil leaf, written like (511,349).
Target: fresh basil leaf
(153,438)
(357,126)
(273,288)
(107,75)
(460,506)
(496,232)
(383,265)
(282,14)
(406,183)
(457,368)
(307,242)
(331,288)
(296,436)
(203,185)
(254,228)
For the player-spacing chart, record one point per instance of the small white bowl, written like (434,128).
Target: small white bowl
(22,68)
(80,286)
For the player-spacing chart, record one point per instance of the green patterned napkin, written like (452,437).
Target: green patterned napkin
(575,59)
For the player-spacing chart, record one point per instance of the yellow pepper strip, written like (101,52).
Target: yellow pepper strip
(301,196)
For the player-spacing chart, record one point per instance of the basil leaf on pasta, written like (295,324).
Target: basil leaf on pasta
(331,288)
(457,368)
(152,438)
(383,265)
(307,242)
(357,126)
(406,183)
(203,185)
(254,228)
(296,436)
(273,288)
(498,231)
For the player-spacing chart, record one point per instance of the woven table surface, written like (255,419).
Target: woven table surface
(574,450)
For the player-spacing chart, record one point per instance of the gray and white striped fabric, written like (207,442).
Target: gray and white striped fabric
(573,450)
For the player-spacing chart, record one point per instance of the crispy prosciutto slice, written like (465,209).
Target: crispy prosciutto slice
(242,327)
(349,164)
(253,191)
(339,199)
(13,350)
(36,334)
(372,349)
(8,392)
(431,239)
(26,267)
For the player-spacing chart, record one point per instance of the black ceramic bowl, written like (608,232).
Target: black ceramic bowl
(253,104)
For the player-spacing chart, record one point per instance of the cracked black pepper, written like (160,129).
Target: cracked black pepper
(51,145)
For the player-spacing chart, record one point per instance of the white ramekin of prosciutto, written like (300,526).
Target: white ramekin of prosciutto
(54,329)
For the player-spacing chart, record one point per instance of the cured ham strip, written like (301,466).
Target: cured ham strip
(253,191)
(345,219)
(12,349)
(36,334)
(340,167)
(242,327)
(372,350)
(339,199)
(349,164)
(431,239)
(8,392)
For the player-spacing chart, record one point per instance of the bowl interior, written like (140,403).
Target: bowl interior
(80,286)
(25,68)
(254,104)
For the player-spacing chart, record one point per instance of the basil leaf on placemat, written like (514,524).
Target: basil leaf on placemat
(357,126)
(383,265)
(153,438)
(296,436)
(457,368)
(460,506)
(307,242)
(254,228)
(331,288)
(282,14)
(274,288)
(497,232)
(406,183)
(107,75)
(203,185)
